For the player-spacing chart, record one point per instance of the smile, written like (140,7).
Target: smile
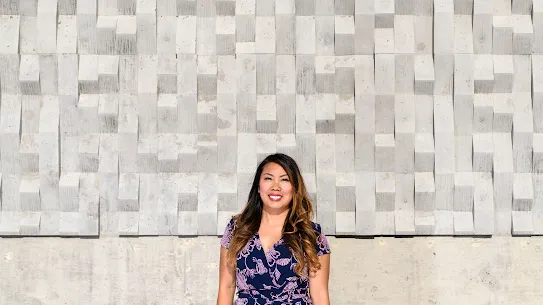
(275,197)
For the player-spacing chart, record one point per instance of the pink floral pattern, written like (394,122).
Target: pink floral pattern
(269,278)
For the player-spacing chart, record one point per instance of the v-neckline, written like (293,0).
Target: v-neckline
(271,247)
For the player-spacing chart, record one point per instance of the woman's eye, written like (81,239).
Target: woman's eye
(285,179)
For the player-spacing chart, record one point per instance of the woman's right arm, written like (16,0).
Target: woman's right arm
(227,281)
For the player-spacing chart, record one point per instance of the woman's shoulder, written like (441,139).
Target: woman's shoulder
(316,227)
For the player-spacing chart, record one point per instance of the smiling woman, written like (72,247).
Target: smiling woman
(272,251)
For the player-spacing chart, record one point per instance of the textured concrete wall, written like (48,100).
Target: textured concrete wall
(168,270)
(148,117)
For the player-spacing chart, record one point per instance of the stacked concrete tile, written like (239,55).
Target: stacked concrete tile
(149,117)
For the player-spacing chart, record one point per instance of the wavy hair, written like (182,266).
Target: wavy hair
(298,233)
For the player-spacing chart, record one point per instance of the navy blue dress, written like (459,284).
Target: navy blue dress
(269,278)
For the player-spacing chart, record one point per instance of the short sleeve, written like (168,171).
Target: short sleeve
(227,235)
(322,245)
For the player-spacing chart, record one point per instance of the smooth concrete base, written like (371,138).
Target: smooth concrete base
(169,270)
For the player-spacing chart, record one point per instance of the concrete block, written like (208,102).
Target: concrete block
(345,152)
(147,153)
(88,74)
(167,74)
(245,28)
(128,199)
(537,21)
(10,131)
(423,35)
(523,39)
(206,36)
(29,190)
(344,35)
(463,74)
(305,35)
(69,223)
(67,34)
(483,73)
(522,223)
(147,74)
(345,223)
(326,157)
(128,223)
(523,129)
(404,204)
(443,27)
(187,223)
(125,35)
(365,202)
(226,67)
(304,7)
(521,7)
(10,223)
(424,192)
(68,74)
(9,31)
(246,150)
(384,13)
(285,33)
(265,35)
(30,106)
(522,78)
(187,114)
(9,72)
(305,115)
(404,222)
(28,34)
(424,74)
(503,113)
(463,34)
(385,73)
(86,33)
(424,114)
(483,26)
(108,73)
(537,158)
(106,31)
(166,34)
(385,191)
(483,204)
(425,223)
(385,223)
(109,154)
(29,75)
(463,223)
(444,198)
(128,134)
(87,109)
(29,150)
(265,74)
(503,73)
(364,43)
(385,153)
(483,113)
(49,74)
(49,135)
(502,34)
(537,84)
(128,74)
(523,192)
(108,110)
(464,186)
(384,41)
(483,152)
(29,224)
(424,152)
(444,65)
(88,152)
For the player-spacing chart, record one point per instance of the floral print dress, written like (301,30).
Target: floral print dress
(269,278)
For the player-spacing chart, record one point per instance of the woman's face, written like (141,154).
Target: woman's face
(275,188)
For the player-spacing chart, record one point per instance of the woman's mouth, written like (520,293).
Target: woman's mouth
(275,197)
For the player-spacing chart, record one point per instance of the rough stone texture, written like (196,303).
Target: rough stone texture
(148,117)
(169,270)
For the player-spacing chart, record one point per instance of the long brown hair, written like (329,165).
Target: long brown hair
(298,232)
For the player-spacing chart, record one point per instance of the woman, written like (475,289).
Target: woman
(272,251)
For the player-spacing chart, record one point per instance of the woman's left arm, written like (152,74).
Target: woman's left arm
(318,282)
